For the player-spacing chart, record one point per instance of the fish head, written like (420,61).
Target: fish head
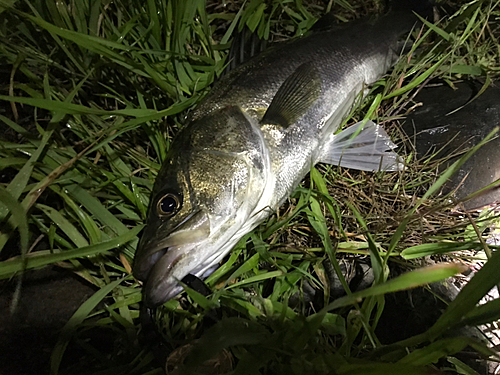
(175,226)
(203,201)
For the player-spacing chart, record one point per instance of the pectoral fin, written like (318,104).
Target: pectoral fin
(295,96)
(367,148)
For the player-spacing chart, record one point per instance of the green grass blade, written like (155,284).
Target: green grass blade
(418,80)
(483,314)
(253,279)
(469,296)
(78,317)
(13,206)
(12,266)
(408,280)
(438,248)
(19,182)
(63,108)
(69,229)
(436,350)
(382,369)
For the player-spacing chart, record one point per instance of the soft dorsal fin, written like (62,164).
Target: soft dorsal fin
(295,96)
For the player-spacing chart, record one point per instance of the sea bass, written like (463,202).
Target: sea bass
(254,137)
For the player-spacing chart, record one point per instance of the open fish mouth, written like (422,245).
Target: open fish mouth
(163,263)
(163,283)
(175,264)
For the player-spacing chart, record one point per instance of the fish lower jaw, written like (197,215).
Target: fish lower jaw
(153,301)
(178,262)
(169,287)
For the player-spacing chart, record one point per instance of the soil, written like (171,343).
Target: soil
(48,298)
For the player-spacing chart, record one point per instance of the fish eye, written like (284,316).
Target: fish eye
(168,205)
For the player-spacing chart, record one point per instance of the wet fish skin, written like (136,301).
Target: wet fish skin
(250,142)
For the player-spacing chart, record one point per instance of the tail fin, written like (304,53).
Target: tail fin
(365,147)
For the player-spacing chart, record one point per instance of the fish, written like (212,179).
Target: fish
(252,140)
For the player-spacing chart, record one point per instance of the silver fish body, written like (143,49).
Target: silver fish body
(251,141)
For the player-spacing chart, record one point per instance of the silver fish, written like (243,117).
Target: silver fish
(252,140)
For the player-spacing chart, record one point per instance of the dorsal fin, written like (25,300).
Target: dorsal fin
(326,22)
(245,45)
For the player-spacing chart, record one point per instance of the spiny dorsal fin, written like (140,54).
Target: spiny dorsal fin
(245,44)
(327,22)
(295,96)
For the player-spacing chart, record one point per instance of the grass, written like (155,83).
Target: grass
(92,94)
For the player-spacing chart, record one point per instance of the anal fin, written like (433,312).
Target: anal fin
(367,148)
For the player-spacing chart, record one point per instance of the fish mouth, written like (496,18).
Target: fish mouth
(164,282)
(161,264)
(162,285)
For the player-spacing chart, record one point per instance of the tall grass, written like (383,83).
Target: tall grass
(93,93)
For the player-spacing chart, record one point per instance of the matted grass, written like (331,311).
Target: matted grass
(92,94)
